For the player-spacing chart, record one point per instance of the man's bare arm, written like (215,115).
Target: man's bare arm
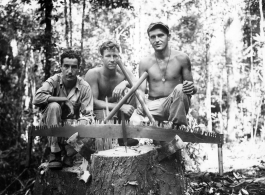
(188,85)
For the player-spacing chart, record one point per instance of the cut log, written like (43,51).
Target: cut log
(115,172)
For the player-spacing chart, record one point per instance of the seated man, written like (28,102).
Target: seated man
(64,96)
(108,81)
(169,79)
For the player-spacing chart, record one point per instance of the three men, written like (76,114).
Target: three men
(170,79)
(64,96)
(108,84)
(170,86)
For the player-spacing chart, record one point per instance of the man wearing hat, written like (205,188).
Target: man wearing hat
(170,79)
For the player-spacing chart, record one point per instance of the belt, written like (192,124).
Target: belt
(154,98)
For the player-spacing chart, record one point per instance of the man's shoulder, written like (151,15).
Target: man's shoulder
(82,82)
(54,78)
(93,71)
(92,74)
(147,60)
(179,55)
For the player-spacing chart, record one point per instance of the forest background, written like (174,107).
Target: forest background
(223,39)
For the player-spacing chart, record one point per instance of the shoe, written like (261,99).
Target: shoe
(130,142)
(55,161)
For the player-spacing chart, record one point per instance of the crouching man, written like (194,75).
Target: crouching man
(64,96)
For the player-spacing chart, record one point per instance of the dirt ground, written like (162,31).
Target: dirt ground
(244,170)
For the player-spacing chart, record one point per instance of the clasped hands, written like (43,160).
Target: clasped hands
(188,87)
(119,91)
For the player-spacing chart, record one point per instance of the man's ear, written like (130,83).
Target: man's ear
(169,36)
(149,40)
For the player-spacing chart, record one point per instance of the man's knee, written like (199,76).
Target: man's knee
(178,88)
(54,106)
(137,119)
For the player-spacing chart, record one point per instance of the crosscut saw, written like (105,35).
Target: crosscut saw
(111,130)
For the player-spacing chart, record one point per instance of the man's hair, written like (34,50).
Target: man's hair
(108,45)
(71,54)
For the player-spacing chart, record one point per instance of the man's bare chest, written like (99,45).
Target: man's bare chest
(107,85)
(170,71)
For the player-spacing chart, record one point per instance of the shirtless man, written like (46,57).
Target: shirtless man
(170,79)
(109,81)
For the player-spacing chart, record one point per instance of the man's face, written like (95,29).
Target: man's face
(110,58)
(70,69)
(158,39)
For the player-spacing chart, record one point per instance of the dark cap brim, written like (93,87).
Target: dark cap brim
(158,25)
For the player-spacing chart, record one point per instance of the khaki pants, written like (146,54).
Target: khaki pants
(173,108)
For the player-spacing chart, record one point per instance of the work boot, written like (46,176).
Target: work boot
(55,161)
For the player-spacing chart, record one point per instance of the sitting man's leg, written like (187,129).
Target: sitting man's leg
(176,106)
(52,116)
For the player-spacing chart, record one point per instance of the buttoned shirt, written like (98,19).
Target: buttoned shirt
(80,95)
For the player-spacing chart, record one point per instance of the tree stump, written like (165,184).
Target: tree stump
(115,172)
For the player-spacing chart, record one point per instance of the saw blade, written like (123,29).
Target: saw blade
(132,131)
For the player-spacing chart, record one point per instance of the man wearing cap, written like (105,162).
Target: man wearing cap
(109,84)
(170,79)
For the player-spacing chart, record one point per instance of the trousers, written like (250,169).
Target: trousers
(173,108)
(52,115)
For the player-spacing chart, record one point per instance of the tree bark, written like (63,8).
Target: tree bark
(208,73)
(71,23)
(48,36)
(83,25)
(66,24)
(263,38)
(115,172)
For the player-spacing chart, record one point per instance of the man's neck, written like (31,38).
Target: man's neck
(162,54)
(109,73)
(69,84)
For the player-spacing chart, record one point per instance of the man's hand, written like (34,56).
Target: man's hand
(71,107)
(188,87)
(119,89)
(127,109)
(140,110)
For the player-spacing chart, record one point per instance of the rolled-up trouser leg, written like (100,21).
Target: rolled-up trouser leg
(52,116)
(176,106)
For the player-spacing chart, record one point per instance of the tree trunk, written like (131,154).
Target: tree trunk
(48,37)
(71,23)
(207,72)
(262,37)
(66,24)
(83,25)
(208,92)
(115,172)
(231,102)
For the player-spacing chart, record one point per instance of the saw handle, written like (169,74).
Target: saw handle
(139,97)
(125,97)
